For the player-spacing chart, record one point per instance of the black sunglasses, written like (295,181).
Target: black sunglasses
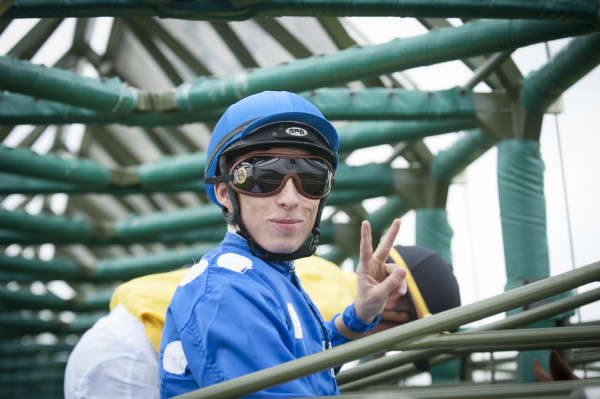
(264,174)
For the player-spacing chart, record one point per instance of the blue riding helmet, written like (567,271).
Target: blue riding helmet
(258,122)
(256,111)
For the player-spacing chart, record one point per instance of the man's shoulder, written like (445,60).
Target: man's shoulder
(217,270)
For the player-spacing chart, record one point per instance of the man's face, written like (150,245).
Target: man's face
(279,223)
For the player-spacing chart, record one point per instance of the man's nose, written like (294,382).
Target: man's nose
(289,195)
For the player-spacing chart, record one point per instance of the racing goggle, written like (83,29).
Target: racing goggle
(264,174)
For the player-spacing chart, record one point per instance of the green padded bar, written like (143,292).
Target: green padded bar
(57,227)
(452,161)
(131,267)
(23,299)
(382,218)
(174,170)
(434,232)
(111,96)
(523,218)
(522,211)
(394,104)
(139,226)
(18,348)
(367,134)
(21,109)
(366,177)
(447,44)
(343,197)
(57,268)
(23,324)
(28,163)
(368,104)
(542,87)
(580,10)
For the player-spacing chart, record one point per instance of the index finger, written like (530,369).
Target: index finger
(383,249)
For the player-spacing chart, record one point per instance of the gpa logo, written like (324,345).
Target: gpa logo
(296,131)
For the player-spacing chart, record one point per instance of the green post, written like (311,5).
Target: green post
(434,232)
(523,216)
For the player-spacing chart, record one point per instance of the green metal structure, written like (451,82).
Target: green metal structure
(102,161)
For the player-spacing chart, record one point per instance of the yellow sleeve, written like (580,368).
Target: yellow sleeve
(147,298)
(330,288)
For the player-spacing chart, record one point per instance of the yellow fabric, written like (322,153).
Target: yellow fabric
(330,288)
(148,297)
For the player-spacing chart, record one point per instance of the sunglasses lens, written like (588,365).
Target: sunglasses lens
(315,177)
(263,175)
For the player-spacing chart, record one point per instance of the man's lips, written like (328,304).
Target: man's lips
(286,224)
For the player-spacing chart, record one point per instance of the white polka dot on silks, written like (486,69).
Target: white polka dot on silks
(174,360)
(234,262)
(194,272)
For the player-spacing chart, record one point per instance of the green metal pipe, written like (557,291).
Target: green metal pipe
(21,277)
(22,299)
(547,390)
(523,211)
(58,268)
(368,134)
(447,44)
(382,218)
(123,268)
(139,226)
(455,106)
(452,161)
(434,232)
(542,87)
(30,363)
(25,162)
(18,348)
(13,184)
(59,228)
(111,96)
(166,172)
(493,341)
(447,320)
(365,177)
(394,104)
(357,376)
(581,10)
(343,197)
(20,324)
(175,170)
(18,109)
(131,267)
(205,234)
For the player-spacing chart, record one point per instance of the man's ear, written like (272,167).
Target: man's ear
(222,195)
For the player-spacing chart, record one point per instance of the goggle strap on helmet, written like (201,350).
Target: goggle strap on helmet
(232,216)
(227,137)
